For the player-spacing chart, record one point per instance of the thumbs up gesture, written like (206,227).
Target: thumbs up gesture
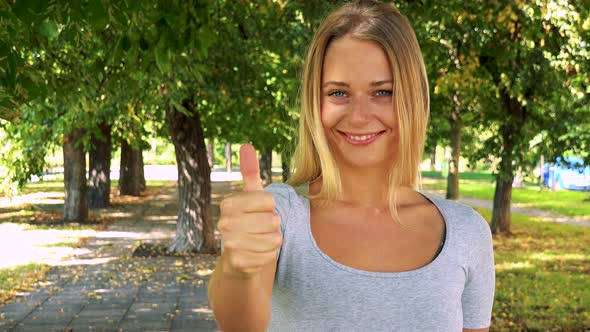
(249,226)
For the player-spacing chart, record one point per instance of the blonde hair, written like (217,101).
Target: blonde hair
(381,23)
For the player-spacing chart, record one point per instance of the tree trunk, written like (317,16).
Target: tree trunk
(131,177)
(76,200)
(503,195)
(453,177)
(501,216)
(211,151)
(228,157)
(285,162)
(195,231)
(99,170)
(266,167)
(141,169)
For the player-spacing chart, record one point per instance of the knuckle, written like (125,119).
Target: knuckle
(278,240)
(271,257)
(276,222)
(240,264)
(228,244)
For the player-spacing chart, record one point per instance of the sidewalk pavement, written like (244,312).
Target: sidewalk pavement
(109,290)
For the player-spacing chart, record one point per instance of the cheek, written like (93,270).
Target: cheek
(330,116)
(389,119)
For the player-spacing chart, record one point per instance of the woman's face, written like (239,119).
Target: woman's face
(356,103)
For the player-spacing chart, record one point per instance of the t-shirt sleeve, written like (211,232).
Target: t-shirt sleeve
(282,194)
(478,295)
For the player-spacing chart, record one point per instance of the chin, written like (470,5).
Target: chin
(367,165)
(360,162)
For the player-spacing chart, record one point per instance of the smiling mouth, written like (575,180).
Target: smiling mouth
(361,139)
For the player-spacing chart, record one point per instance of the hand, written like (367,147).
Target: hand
(249,226)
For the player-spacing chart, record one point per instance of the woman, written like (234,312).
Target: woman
(359,249)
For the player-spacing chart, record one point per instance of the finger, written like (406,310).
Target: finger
(252,262)
(256,201)
(252,223)
(249,168)
(255,243)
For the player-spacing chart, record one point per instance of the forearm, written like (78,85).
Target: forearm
(238,304)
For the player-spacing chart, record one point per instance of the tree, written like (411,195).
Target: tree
(76,199)
(131,179)
(265,163)
(99,170)
(516,50)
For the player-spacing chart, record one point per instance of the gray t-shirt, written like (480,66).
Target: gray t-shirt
(313,292)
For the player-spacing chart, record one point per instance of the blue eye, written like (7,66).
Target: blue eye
(337,93)
(384,93)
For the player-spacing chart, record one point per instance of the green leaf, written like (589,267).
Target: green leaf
(29,10)
(125,43)
(179,108)
(99,15)
(4,52)
(11,71)
(163,58)
(34,90)
(143,44)
(49,29)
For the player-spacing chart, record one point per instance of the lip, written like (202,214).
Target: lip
(368,141)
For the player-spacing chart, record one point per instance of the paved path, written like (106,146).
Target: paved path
(542,214)
(108,290)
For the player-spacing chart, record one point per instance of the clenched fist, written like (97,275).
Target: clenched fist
(248,223)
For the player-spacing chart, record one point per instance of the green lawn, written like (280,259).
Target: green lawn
(542,277)
(478,176)
(481,185)
(56,185)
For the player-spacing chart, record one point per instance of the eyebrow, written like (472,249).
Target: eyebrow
(374,83)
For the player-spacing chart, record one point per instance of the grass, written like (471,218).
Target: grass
(481,185)
(542,281)
(56,184)
(21,278)
(478,176)
(67,244)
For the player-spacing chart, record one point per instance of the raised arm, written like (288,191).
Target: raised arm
(240,288)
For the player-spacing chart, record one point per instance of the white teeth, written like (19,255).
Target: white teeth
(361,138)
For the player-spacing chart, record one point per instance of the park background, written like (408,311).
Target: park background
(99,98)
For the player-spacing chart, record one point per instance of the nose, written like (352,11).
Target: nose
(360,110)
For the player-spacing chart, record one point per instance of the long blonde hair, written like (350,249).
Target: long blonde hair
(384,24)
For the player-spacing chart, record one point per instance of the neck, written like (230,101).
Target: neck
(367,187)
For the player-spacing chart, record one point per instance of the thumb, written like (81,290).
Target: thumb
(249,168)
